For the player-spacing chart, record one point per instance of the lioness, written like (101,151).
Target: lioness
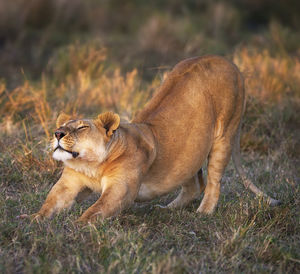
(195,115)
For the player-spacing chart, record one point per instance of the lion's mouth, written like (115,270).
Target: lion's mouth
(74,153)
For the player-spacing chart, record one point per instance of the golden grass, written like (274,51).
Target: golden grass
(79,83)
(79,80)
(269,77)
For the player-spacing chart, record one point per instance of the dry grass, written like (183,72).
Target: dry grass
(269,77)
(101,72)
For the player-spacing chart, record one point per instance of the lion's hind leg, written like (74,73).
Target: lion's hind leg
(189,191)
(217,161)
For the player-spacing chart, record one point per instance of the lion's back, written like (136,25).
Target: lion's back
(197,79)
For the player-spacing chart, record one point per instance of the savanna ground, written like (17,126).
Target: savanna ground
(88,57)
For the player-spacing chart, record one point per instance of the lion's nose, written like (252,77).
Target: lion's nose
(59,134)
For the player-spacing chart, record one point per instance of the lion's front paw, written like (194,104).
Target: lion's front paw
(83,220)
(23,216)
(36,217)
(86,218)
(33,217)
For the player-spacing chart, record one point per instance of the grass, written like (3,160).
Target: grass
(244,235)
(85,73)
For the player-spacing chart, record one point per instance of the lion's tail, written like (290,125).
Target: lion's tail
(236,157)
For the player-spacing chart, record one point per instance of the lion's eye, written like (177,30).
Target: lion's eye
(82,127)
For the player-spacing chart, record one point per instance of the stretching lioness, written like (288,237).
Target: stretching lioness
(195,115)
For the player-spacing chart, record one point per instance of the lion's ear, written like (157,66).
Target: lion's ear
(108,120)
(62,118)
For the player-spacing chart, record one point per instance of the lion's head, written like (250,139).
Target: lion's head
(83,139)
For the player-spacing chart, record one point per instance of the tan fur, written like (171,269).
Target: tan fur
(195,115)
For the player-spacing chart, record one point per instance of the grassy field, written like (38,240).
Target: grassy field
(74,60)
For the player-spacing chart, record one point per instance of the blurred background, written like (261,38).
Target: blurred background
(139,34)
(85,57)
